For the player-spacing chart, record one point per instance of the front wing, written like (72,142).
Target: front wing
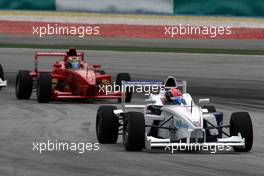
(233,141)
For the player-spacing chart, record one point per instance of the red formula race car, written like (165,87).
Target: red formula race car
(71,78)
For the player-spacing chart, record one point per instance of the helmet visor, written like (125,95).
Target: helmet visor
(74,62)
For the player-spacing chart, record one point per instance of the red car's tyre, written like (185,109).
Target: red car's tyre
(24,83)
(240,122)
(44,86)
(107,125)
(124,77)
(134,131)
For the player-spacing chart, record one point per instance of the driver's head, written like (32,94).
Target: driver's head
(73,61)
(174,96)
(71,52)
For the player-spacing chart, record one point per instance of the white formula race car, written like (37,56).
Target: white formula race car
(161,125)
(3,82)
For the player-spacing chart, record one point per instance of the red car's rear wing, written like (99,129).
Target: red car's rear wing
(54,54)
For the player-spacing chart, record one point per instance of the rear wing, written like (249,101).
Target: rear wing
(54,54)
(127,84)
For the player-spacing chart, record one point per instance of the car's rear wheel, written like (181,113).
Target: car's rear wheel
(107,125)
(240,122)
(24,84)
(124,77)
(134,131)
(44,87)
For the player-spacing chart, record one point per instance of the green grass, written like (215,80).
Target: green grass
(140,49)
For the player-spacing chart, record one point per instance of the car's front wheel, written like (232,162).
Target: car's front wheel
(24,84)
(1,74)
(107,125)
(240,122)
(134,131)
(44,87)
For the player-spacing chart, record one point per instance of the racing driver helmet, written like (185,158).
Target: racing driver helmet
(73,61)
(174,96)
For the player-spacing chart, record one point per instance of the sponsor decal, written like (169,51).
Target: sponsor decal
(54,82)
(181,125)
(105,82)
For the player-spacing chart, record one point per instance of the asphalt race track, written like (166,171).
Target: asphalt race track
(234,83)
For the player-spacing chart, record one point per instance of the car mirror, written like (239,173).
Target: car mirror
(96,66)
(204,101)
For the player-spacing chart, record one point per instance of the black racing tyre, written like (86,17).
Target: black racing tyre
(210,109)
(107,125)
(2,73)
(24,84)
(134,131)
(44,87)
(102,72)
(240,122)
(124,77)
